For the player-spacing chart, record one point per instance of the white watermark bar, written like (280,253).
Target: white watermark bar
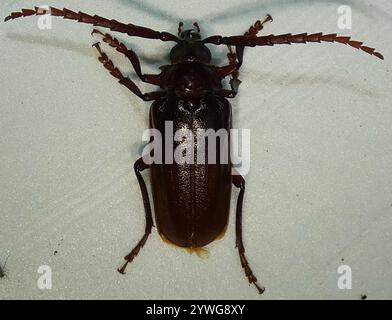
(200,147)
(345,279)
(345,17)
(44,18)
(44,281)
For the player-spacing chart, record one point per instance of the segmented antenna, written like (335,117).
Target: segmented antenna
(113,25)
(289,38)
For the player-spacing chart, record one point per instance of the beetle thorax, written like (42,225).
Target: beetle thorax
(191,80)
(190,50)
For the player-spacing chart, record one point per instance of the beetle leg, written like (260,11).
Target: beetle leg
(236,58)
(258,26)
(115,72)
(239,51)
(139,166)
(232,56)
(131,55)
(252,32)
(230,69)
(239,182)
(230,93)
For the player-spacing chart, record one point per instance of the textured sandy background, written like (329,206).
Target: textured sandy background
(320,186)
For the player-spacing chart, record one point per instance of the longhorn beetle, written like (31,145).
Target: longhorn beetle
(191,200)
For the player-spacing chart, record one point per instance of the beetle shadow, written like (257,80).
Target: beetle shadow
(266,5)
(309,80)
(152,10)
(53,42)
(304,81)
(86,50)
(154,60)
(262,5)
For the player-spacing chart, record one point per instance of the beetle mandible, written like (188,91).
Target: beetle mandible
(191,201)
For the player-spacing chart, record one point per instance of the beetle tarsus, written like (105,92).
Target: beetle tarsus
(260,289)
(122,269)
(115,72)
(248,271)
(130,54)
(258,26)
(239,182)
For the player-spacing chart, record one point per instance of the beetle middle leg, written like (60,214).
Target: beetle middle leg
(115,72)
(139,166)
(131,55)
(239,182)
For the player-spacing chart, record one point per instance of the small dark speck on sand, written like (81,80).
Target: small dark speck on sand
(2,271)
(2,268)
(363,296)
(54,253)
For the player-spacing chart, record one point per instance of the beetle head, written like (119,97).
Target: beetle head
(190,47)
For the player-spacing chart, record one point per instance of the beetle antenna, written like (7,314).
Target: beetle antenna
(289,39)
(114,25)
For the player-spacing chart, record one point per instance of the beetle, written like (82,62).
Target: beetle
(191,201)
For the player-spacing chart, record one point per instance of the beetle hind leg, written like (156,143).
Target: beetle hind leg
(239,182)
(139,166)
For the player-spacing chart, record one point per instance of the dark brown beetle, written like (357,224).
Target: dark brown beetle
(191,200)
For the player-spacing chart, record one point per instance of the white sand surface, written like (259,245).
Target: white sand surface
(319,192)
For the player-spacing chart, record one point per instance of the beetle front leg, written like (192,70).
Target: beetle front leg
(131,55)
(139,166)
(115,72)
(236,59)
(239,182)
(239,51)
